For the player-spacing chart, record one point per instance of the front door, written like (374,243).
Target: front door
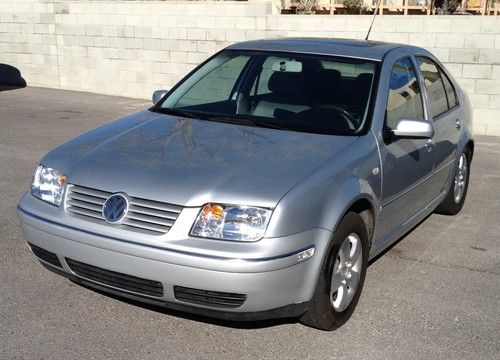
(407,164)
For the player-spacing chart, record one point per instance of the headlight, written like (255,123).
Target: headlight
(240,223)
(48,185)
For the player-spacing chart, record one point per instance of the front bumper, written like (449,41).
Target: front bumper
(274,286)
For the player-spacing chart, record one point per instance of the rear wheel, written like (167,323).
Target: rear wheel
(455,198)
(342,276)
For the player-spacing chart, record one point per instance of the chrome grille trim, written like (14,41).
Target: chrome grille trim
(85,205)
(91,192)
(156,205)
(149,219)
(87,198)
(147,216)
(85,212)
(146,226)
(152,212)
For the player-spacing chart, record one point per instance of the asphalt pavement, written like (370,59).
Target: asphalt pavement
(434,295)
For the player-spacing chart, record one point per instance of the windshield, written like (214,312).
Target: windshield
(308,93)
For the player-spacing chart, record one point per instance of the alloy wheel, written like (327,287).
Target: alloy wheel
(346,272)
(460,179)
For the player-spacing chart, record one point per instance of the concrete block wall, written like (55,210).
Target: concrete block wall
(469,46)
(28,40)
(131,48)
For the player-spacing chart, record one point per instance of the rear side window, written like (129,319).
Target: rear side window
(405,98)
(434,86)
(450,90)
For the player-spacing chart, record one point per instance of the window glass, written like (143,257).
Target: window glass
(347,70)
(405,98)
(450,90)
(216,85)
(433,85)
(295,92)
(268,69)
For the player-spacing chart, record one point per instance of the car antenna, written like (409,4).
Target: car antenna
(373,19)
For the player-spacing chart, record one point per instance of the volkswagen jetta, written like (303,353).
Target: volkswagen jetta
(261,184)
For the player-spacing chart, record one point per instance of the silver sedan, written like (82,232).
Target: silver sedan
(261,184)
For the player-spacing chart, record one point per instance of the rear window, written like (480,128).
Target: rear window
(348,70)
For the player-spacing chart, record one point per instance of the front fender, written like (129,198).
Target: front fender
(353,190)
(321,199)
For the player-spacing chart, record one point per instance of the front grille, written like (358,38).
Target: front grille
(209,298)
(116,280)
(143,215)
(45,255)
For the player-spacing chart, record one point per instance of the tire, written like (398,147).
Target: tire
(327,311)
(455,196)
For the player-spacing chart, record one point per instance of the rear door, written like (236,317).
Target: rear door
(407,164)
(445,113)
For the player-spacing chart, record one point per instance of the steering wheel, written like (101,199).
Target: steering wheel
(346,115)
(325,118)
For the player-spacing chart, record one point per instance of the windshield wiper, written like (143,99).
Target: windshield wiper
(245,121)
(175,112)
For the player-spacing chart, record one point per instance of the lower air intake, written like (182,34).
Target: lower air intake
(116,280)
(45,255)
(209,298)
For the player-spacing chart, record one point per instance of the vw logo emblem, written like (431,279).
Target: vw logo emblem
(115,208)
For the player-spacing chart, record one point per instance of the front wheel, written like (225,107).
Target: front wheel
(342,276)
(455,198)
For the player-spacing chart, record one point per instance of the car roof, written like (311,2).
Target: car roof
(365,49)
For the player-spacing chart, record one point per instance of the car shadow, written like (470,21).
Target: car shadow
(10,78)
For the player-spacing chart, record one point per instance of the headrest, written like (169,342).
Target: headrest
(286,82)
(327,79)
(363,79)
(330,75)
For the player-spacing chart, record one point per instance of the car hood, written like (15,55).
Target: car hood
(190,162)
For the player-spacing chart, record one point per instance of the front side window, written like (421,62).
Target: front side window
(308,93)
(405,98)
(434,86)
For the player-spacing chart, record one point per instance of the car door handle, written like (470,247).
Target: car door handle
(458,124)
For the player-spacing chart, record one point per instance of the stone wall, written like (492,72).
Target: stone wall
(131,48)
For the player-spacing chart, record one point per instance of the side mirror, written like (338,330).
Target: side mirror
(414,129)
(158,94)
